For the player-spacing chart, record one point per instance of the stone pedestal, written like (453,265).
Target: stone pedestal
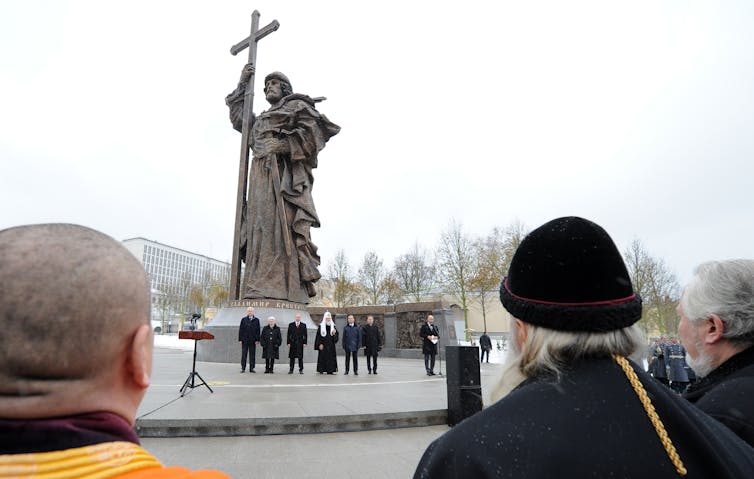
(226,348)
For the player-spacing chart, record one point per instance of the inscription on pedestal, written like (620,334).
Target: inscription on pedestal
(266,303)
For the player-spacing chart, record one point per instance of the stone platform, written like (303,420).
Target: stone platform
(401,395)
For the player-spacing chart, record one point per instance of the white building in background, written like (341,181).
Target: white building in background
(174,269)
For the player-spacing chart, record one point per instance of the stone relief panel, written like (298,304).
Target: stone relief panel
(408,325)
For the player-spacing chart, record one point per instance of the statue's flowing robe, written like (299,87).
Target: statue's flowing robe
(270,272)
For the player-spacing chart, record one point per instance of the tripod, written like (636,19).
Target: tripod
(439,357)
(189,383)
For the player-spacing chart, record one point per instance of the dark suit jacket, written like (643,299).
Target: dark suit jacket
(249,329)
(296,339)
(428,347)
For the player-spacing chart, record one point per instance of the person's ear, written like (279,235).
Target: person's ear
(714,327)
(140,357)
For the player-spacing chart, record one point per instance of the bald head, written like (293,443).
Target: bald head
(71,302)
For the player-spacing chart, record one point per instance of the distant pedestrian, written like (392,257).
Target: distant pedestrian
(351,344)
(431,336)
(485,344)
(248,336)
(656,367)
(675,361)
(372,342)
(271,341)
(296,340)
(324,343)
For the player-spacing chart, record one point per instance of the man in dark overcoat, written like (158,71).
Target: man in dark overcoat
(351,344)
(271,341)
(430,336)
(717,328)
(573,404)
(656,367)
(485,344)
(371,341)
(248,336)
(675,361)
(296,340)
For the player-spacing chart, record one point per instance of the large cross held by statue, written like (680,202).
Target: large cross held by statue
(243,168)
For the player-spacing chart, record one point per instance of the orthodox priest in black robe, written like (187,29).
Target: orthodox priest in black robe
(326,338)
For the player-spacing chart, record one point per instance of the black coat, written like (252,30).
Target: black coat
(727,394)
(656,365)
(326,361)
(351,338)
(296,340)
(589,424)
(271,341)
(675,362)
(485,343)
(248,331)
(427,346)
(370,339)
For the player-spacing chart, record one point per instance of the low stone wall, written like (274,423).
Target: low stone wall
(399,325)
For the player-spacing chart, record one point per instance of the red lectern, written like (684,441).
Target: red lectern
(196,336)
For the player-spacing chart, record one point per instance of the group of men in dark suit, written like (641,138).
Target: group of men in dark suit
(366,337)
(249,335)
(270,338)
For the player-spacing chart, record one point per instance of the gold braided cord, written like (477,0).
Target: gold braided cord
(653,417)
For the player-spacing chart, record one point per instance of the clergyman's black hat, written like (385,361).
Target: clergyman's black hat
(568,275)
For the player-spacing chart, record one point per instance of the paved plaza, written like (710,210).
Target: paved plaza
(401,389)
(388,453)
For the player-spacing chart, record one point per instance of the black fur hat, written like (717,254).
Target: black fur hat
(568,275)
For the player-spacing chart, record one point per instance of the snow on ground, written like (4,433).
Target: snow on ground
(171,341)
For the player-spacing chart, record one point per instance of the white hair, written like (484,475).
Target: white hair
(726,289)
(547,351)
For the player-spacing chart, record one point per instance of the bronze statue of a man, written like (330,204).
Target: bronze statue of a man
(281,260)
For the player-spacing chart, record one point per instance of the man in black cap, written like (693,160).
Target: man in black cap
(573,405)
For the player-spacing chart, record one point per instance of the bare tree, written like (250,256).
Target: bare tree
(658,287)
(392,292)
(218,294)
(372,276)
(492,255)
(345,290)
(457,265)
(415,273)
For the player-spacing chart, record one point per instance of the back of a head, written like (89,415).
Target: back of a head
(568,284)
(724,288)
(70,303)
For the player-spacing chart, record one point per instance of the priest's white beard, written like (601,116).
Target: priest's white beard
(702,365)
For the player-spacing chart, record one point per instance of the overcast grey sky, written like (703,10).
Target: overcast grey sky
(636,115)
